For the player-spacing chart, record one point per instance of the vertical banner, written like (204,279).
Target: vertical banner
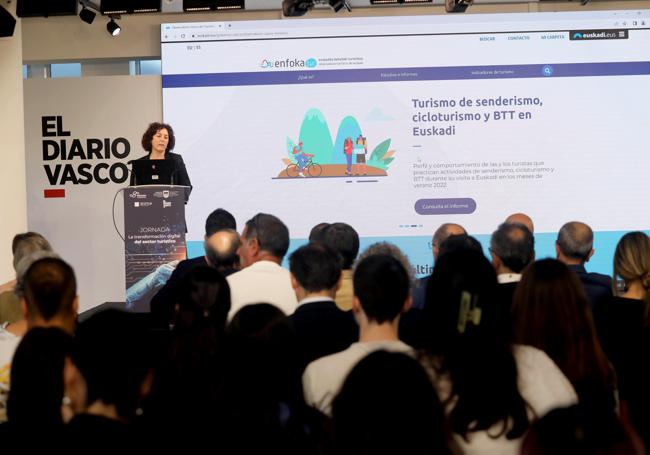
(80,134)
(154,234)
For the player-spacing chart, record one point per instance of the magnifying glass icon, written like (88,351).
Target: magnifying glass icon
(547,70)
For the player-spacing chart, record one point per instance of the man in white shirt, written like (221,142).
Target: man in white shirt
(381,295)
(264,242)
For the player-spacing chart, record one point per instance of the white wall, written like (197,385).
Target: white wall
(140,37)
(13,216)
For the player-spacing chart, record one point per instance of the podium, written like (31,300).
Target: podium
(154,235)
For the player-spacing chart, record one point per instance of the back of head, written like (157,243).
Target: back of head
(444,232)
(459,242)
(369,411)
(49,288)
(316,267)
(465,338)
(37,379)
(521,218)
(392,250)
(514,244)
(632,259)
(317,232)
(219,219)
(344,239)
(221,249)
(551,312)
(111,351)
(579,431)
(382,286)
(271,233)
(575,240)
(263,356)
(204,300)
(26,244)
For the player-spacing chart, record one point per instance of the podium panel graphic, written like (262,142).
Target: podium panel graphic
(154,233)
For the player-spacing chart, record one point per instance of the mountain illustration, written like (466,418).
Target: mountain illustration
(316,137)
(328,158)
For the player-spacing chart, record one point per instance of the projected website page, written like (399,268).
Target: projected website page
(396,125)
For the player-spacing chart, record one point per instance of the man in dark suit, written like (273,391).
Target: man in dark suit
(220,244)
(574,247)
(512,248)
(322,328)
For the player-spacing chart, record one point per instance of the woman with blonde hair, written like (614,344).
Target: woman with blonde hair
(624,328)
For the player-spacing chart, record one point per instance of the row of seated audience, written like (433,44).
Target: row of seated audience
(342,353)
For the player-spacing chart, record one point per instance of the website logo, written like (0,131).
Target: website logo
(288,63)
(584,35)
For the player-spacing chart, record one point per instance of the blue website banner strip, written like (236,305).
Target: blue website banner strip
(406,74)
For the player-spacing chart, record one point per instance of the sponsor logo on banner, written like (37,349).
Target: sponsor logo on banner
(166,194)
(69,161)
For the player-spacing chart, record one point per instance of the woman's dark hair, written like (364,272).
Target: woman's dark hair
(113,353)
(186,386)
(580,430)
(263,400)
(370,412)
(551,312)
(37,379)
(465,339)
(151,131)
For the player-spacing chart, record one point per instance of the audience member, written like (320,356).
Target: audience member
(192,363)
(47,288)
(370,410)
(574,247)
(106,381)
(623,328)
(491,389)
(264,242)
(551,312)
(381,294)
(263,409)
(22,245)
(344,239)
(439,238)
(34,404)
(321,327)
(521,218)
(220,244)
(317,232)
(577,430)
(392,250)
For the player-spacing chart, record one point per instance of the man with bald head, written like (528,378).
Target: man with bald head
(220,244)
(439,237)
(521,218)
(574,247)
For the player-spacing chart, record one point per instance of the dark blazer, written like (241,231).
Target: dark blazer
(598,287)
(323,329)
(162,304)
(180,175)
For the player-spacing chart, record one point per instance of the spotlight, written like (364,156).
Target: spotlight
(338,5)
(301,7)
(113,28)
(87,15)
(457,6)
(7,23)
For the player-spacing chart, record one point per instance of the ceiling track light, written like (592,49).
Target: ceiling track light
(112,27)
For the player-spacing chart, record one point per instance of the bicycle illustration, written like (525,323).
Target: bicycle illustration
(311,168)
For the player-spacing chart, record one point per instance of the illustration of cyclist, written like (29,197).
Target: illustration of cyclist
(301,157)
